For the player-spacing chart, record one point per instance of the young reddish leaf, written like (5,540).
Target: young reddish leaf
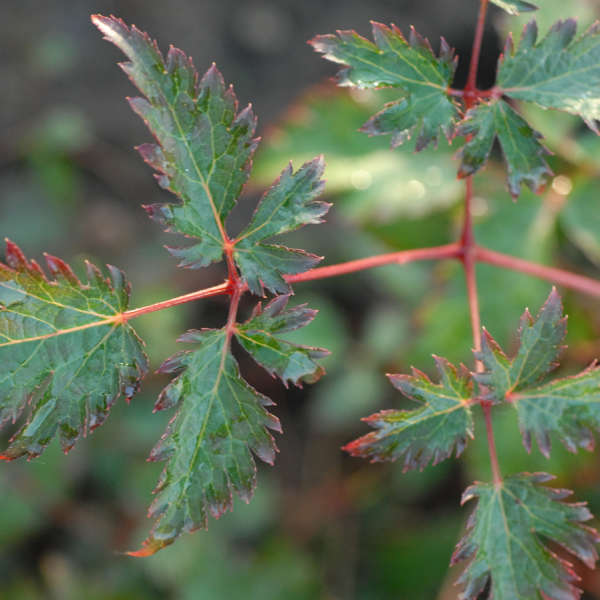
(425,108)
(221,421)
(63,349)
(505,539)
(288,205)
(556,72)
(523,153)
(515,7)
(260,337)
(444,421)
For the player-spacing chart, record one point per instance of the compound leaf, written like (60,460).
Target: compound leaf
(504,539)
(221,421)
(523,153)
(203,155)
(288,205)
(515,7)
(557,72)
(540,343)
(259,336)
(64,351)
(569,407)
(444,421)
(204,144)
(424,108)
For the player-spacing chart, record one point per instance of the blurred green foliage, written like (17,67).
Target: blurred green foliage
(322,525)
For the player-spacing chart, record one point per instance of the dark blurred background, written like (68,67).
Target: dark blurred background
(322,525)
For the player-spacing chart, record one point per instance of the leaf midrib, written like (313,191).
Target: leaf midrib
(109,321)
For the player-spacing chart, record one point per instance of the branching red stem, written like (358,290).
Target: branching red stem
(580,283)
(469,257)
(232,315)
(469,260)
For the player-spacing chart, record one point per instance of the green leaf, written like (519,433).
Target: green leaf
(569,407)
(444,421)
(504,539)
(515,7)
(551,11)
(204,153)
(556,72)
(64,351)
(204,145)
(424,108)
(520,144)
(259,336)
(220,423)
(288,205)
(540,343)
(363,176)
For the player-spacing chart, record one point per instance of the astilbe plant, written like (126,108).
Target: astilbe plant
(68,350)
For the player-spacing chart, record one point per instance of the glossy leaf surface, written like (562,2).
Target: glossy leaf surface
(424,108)
(289,204)
(515,7)
(443,423)
(540,343)
(64,352)
(221,422)
(557,71)
(568,407)
(259,336)
(522,150)
(507,536)
(203,155)
(204,144)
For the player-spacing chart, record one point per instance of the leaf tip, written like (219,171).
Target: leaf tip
(96,18)
(353,448)
(143,551)
(105,24)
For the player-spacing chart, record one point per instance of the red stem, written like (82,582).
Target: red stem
(564,278)
(469,260)
(469,257)
(467,239)
(580,283)
(217,290)
(494,92)
(228,287)
(399,258)
(487,413)
(476,52)
(232,315)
